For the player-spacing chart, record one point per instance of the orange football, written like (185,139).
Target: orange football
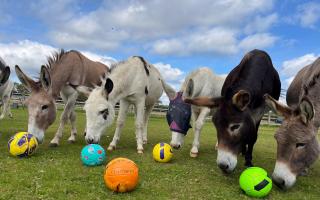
(121,175)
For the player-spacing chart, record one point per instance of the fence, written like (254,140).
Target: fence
(17,100)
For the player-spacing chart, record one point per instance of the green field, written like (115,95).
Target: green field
(57,173)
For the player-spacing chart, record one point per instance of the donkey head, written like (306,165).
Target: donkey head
(233,123)
(297,141)
(99,110)
(40,103)
(178,114)
(4,75)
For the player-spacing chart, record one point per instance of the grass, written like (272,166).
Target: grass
(57,173)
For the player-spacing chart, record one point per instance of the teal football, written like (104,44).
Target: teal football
(92,155)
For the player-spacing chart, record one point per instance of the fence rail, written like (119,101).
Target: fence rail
(17,100)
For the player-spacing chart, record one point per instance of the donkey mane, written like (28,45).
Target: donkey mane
(312,81)
(57,56)
(145,64)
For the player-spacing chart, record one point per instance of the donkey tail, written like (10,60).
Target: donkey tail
(170,92)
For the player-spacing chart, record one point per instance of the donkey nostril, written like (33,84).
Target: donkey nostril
(85,133)
(223,166)
(280,183)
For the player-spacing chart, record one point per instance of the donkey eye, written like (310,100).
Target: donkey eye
(234,127)
(44,107)
(300,145)
(104,113)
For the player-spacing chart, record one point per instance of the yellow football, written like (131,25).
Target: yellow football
(162,152)
(22,144)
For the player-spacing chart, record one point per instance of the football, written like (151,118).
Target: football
(121,175)
(255,182)
(162,152)
(22,144)
(93,155)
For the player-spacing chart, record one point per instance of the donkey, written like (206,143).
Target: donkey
(241,107)
(63,72)
(6,88)
(298,147)
(201,82)
(131,82)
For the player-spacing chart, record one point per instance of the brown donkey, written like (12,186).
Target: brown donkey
(63,72)
(297,141)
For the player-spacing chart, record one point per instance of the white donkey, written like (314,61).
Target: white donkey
(201,82)
(6,87)
(131,82)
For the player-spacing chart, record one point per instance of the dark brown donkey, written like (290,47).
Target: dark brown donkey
(64,71)
(297,141)
(241,107)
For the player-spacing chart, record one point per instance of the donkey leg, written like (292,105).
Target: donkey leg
(253,139)
(197,130)
(64,118)
(146,120)
(5,105)
(73,134)
(124,105)
(139,124)
(72,117)
(248,155)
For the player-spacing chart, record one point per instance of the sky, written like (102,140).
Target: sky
(177,36)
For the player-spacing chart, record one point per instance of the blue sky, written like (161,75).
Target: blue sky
(177,35)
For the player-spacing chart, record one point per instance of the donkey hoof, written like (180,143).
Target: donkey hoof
(140,151)
(111,148)
(193,154)
(53,145)
(71,141)
(145,141)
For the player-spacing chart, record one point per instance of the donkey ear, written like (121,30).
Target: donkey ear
(204,101)
(5,75)
(45,77)
(306,110)
(241,99)
(27,82)
(84,90)
(277,107)
(108,86)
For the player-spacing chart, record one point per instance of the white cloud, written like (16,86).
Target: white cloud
(256,41)
(217,40)
(30,55)
(291,67)
(261,23)
(100,58)
(309,14)
(27,54)
(180,27)
(168,72)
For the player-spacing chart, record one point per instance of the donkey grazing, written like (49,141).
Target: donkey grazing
(6,87)
(201,82)
(64,71)
(298,147)
(131,82)
(241,107)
